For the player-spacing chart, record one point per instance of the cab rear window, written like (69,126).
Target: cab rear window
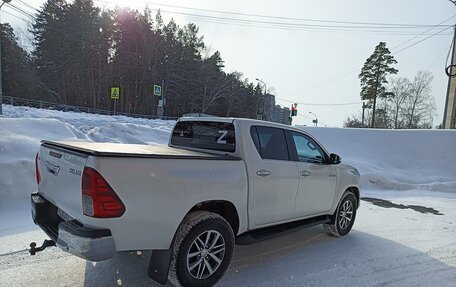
(216,136)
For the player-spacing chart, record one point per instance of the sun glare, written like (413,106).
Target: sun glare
(122,3)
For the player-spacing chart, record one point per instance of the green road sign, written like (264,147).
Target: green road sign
(157,90)
(115,93)
(259,117)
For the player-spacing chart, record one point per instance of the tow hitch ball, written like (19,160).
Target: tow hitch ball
(33,249)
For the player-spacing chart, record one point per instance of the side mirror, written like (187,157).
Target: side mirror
(334,158)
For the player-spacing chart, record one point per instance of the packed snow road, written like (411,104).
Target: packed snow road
(398,240)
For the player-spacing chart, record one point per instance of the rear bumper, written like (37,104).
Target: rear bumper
(85,242)
(71,236)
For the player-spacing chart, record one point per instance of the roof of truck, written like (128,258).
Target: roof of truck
(231,120)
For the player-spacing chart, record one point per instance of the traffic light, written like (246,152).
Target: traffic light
(294,110)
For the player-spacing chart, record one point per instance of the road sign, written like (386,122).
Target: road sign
(157,90)
(115,93)
(259,117)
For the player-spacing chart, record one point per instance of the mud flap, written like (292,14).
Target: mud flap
(159,265)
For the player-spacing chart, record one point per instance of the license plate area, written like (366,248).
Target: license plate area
(65,216)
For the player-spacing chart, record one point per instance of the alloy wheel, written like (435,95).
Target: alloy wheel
(205,254)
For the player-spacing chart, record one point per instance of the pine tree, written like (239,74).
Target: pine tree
(81,51)
(50,36)
(373,76)
(16,67)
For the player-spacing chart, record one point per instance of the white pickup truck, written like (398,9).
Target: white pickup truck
(220,181)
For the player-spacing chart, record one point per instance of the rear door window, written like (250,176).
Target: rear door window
(270,142)
(218,136)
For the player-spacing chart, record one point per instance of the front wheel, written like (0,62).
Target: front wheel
(344,217)
(203,248)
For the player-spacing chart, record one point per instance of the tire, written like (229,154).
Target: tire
(343,219)
(202,251)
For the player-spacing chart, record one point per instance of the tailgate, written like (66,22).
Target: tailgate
(61,178)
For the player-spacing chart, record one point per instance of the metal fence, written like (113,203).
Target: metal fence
(69,108)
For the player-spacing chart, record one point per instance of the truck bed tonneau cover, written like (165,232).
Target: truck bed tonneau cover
(133,150)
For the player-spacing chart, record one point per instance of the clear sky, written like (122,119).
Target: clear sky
(312,67)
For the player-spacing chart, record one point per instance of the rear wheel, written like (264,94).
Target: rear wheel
(344,217)
(202,251)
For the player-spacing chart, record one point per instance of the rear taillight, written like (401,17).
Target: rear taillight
(98,198)
(37,170)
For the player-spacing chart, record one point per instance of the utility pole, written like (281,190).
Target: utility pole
(449,115)
(163,96)
(1,87)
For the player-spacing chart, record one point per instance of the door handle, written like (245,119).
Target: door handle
(263,173)
(304,173)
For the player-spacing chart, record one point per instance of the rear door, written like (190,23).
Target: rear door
(317,179)
(61,178)
(274,178)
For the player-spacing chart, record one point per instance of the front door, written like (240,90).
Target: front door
(317,179)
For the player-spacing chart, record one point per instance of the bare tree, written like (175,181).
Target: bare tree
(411,105)
(400,87)
(419,107)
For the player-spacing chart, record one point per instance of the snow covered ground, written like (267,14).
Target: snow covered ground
(404,235)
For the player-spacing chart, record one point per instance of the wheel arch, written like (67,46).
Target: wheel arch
(224,208)
(355,191)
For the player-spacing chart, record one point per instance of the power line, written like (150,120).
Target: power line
(306,29)
(422,40)
(280,17)
(321,104)
(27,5)
(20,10)
(354,69)
(17,17)
(428,30)
(449,50)
(286,25)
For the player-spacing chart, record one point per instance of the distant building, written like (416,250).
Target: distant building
(267,110)
(281,115)
(266,106)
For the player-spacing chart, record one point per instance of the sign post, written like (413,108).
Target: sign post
(159,91)
(115,95)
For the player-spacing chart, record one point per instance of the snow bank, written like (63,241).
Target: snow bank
(22,129)
(396,159)
(387,159)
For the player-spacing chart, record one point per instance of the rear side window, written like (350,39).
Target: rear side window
(205,135)
(270,142)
